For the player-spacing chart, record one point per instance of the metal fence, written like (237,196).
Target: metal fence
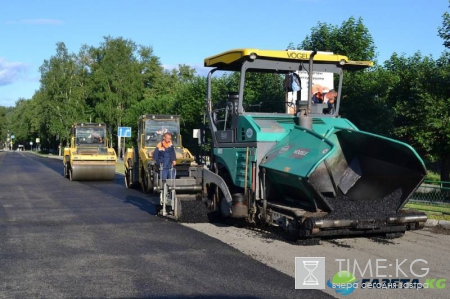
(432,192)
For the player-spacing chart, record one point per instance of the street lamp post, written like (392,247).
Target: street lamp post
(7,139)
(12,138)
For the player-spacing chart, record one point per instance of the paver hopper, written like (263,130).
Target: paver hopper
(346,181)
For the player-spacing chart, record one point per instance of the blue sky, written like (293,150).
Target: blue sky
(187,31)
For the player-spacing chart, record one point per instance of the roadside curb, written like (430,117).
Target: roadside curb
(45,156)
(52,157)
(445,224)
(433,222)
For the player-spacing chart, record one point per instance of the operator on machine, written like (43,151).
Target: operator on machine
(164,155)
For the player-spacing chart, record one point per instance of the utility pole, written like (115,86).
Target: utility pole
(7,139)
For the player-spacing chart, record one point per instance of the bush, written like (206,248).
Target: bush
(432,176)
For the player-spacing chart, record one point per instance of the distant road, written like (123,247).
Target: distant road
(62,239)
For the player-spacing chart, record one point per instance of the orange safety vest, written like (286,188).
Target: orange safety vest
(163,145)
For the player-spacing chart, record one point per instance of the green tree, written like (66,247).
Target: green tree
(3,126)
(152,73)
(190,105)
(444,31)
(264,92)
(21,122)
(165,93)
(42,121)
(117,81)
(352,39)
(419,95)
(362,93)
(62,93)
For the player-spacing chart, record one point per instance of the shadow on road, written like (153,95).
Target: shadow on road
(115,188)
(142,204)
(195,296)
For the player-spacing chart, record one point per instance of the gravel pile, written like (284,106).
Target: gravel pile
(308,242)
(382,241)
(345,207)
(193,211)
(275,234)
(439,229)
(339,244)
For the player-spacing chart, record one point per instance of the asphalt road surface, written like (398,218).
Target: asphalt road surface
(61,239)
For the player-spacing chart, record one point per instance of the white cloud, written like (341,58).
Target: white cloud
(169,67)
(11,71)
(36,22)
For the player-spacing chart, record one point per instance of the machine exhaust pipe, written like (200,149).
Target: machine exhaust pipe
(310,77)
(305,121)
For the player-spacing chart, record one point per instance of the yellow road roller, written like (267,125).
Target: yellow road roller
(88,156)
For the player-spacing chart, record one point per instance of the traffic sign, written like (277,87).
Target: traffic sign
(12,136)
(124,132)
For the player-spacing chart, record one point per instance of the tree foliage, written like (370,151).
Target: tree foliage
(360,92)
(3,126)
(352,39)
(420,97)
(444,31)
(117,82)
(63,92)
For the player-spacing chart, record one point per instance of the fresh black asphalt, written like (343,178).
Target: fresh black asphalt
(63,239)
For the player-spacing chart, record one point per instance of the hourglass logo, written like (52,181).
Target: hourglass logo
(310,273)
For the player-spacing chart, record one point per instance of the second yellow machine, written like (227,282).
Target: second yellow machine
(89,157)
(184,197)
(151,128)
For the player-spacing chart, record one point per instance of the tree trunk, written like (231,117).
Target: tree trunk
(445,168)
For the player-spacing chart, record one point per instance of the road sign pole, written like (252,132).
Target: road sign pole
(123,147)
(122,132)
(118,143)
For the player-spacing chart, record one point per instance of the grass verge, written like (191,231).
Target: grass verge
(433,211)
